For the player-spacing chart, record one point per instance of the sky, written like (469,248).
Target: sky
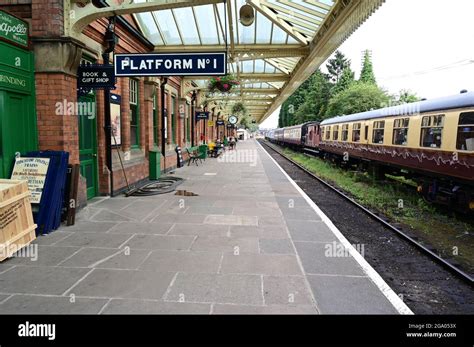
(426,46)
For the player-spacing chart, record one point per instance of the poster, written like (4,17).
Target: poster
(115,120)
(34,171)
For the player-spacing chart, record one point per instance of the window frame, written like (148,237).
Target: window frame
(464,125)
(134,104)
(335,132)
(398,127)
(376,127)
(345,130)
(356,127)
(430,126)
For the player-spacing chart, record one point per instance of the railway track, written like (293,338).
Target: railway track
(429,284)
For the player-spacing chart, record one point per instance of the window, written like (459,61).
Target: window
(465,140)
(155,119)
(134,115)
(356,132)
(188,123)
(432,131)
(400,131)
(345,132)
(322,132)
(335,133)
(173,118)
(378,132)
(328,133)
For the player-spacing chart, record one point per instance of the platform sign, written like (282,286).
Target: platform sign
(171,64)
(95,76)
(34,171)
(220,122)
(201,115)
(13,30)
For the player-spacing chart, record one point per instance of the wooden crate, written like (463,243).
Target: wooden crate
(17,228)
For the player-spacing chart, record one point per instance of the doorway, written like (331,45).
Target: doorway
(88,143)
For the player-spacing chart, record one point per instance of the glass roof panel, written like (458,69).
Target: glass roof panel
(148,25)
(259,66)
(168,27)
(247,66)
(187,25)
(206,23)
(264,29)
(279,36)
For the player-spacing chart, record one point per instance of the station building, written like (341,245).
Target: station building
(40,108)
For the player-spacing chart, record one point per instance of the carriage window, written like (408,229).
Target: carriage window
(378,132)
(465,141)
(345,132)
(328,133)
(356,132)
(400,131)
(322,132)
(432,131)
(335,133)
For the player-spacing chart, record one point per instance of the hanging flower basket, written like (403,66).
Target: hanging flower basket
(239,108)
(223,84)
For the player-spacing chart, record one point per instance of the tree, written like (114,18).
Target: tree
(405,96)
(359,97)
(367,72)
(346,80)
(316,100)
(289,107)
(336,66)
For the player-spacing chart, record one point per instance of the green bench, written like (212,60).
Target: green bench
(196,153)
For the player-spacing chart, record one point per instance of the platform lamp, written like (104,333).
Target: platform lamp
(111,40)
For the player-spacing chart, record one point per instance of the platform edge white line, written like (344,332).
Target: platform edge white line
(388,292)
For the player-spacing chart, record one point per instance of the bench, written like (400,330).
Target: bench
(196,153)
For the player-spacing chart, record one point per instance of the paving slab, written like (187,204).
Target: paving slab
(29,304)
(215,288)
(182,261)
(348,295)
(264,264)
(122,306)
(105,283)
(107,258)
(40,279)
(152,242)
(269,309)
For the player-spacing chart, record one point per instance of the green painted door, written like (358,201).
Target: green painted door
(18,128)
(88,145)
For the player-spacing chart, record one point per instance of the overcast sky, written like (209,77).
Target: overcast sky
(426,46)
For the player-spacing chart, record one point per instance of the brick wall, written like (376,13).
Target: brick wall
(56,131)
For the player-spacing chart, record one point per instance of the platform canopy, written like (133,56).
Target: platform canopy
(286,43)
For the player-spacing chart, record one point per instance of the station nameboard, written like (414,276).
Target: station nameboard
(95,76)
(202,115)
(171,64)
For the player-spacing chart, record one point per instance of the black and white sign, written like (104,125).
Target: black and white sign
(202,115)
(220,122)
(171,64)
(95,76)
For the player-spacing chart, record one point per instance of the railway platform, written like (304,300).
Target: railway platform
(248,241)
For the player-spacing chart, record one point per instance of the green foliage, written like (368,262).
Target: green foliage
(367,73)
(239,109)
(346,80)
(336,66)
(359,97)
(405,97)
(317,98)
